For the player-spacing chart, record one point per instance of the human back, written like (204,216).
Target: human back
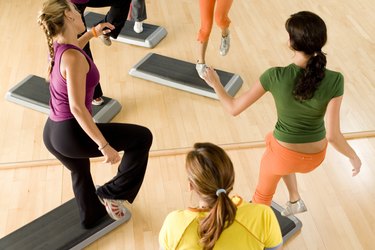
(254,227)
(59,102)
(218,221)
(300,121)
(303,89)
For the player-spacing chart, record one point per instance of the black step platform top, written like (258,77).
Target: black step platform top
(92,19)
(286,224)
(179,71)
(57,229)
(36,90)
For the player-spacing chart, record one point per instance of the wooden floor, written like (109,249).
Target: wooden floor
(340,212)
(340,208)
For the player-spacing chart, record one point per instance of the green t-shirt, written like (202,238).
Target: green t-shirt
(300,122)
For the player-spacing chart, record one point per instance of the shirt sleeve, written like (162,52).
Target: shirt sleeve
(274,237)
(265,79)
(163,234)
(339,86)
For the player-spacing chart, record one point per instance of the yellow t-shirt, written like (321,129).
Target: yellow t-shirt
(255,227)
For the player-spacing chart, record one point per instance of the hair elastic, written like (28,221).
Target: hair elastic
(219,191)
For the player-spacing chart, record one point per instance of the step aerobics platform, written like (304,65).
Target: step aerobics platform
(59,229)
(181,75)
(149,37)
(33,92)
(288,225)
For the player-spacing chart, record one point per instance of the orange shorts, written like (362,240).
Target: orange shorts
(207,15)
(278,161)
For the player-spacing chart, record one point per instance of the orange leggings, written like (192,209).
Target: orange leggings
(278,161)
(207,14)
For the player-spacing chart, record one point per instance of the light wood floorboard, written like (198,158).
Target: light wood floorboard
(176,118)
(340,212)
(340,208)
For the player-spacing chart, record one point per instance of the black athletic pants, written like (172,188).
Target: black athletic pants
(116,15)
(67,141)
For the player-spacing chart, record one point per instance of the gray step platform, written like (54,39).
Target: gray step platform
(181,75)
(33,92)
(149,38)
(58,229)
(288,225)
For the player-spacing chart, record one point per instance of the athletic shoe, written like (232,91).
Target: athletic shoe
(224,45)
(106,40)
(98,101)
(115,208)
(294,208)
(201,69)
(138,27)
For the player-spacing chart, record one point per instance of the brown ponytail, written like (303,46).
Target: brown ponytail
(309,81)
(210,169)
(308,34)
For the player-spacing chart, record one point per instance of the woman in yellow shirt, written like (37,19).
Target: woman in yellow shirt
(219,222)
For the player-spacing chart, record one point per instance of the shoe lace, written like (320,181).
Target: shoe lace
(288,209)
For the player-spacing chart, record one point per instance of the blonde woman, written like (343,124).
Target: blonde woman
(70,133)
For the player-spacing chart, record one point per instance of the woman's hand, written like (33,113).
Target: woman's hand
(211,77)
(356,164)
(103,28)
(110,155)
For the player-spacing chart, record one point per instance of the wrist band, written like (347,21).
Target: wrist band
(93,31)
(101,148)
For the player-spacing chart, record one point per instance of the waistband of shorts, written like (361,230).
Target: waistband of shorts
(281,149)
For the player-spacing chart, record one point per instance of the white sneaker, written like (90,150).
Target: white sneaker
(225,45)
(294,208)
(201,69)
(138,27)
(115,208)
(98,101)
(106,40)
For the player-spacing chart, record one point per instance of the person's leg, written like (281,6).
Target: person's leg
(90,208)
(138,10)
(98,93)
(290,181)
(223,21)
(138,14)
(206,8)
(286,163)
(267,180)
(276,163)
(221,15)
(135,141)
(295,204)
(202,47)
(116,15)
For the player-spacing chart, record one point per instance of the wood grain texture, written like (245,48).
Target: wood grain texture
(340,214)
(176,118)
(340,207)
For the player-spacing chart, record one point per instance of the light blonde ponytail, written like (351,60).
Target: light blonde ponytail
(51,19)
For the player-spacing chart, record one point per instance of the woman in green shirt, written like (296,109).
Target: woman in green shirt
(305,93)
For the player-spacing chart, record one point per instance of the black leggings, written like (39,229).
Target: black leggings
(67,141)
(116,15)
